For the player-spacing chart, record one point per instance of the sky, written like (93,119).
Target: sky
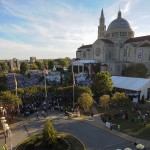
(50,29)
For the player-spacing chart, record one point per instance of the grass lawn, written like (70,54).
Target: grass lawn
(134,128)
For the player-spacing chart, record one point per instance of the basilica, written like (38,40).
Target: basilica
(115,48)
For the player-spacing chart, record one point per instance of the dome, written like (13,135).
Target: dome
(119,23)
(119,29)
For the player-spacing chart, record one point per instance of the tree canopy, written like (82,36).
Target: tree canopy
(102,84)
(9,99)
(24,67)
(63,62)
(85,101)
(39,65)
(104,101)
(3,81)
(120,100)
(4,66)
(135,70)
(51,63)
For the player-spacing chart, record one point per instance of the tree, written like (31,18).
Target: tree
(62,62)
(135,70)
(51,64)
(49,133)
(85,101)
(102,84)
(24,67)
(104,101)
(4,66)
(3,81)
(39,65)
(45,63)
(34,66)
(121,100)
(79,90)
(9,99)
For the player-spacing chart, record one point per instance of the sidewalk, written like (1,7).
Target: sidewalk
(98,123)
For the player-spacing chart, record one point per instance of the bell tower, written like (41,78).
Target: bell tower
(102,27)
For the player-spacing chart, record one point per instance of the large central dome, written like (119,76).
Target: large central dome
(119,23)
(119,28)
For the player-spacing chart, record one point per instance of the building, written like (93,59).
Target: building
(14,64)
(115,48)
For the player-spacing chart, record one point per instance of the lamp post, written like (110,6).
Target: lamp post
(6,129)
(3,121)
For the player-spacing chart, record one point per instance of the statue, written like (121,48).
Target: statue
(54,68)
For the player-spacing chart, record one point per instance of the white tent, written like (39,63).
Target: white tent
(134,84)
(81,62)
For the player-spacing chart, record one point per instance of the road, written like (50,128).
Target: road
(94,138)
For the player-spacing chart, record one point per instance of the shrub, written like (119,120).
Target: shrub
(49,134)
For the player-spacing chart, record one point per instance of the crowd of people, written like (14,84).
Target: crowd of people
(23,81)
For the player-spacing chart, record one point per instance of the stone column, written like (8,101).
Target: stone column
(83,68)
(78,69)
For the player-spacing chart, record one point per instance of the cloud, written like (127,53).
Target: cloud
(20,50)
(62,29)
(126,7)
(52,28)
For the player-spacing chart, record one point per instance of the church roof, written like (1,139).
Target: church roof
(145,45)
(138,39)
(85,46)
(107,41)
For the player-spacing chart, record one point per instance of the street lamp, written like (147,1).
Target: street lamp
(6,129)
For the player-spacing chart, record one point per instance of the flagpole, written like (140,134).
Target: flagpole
(15,83)
(73,87)
(45,87)
(45,73)
(16,86)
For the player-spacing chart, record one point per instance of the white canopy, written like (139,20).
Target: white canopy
(81,62)
(129,83)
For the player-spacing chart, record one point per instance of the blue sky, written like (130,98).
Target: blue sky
(56,28)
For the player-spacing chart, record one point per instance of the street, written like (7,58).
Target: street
(94,138)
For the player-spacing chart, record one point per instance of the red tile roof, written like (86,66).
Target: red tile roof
(138,39)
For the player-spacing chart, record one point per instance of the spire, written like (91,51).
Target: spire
(102,27)
(102,13)
(119,14)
